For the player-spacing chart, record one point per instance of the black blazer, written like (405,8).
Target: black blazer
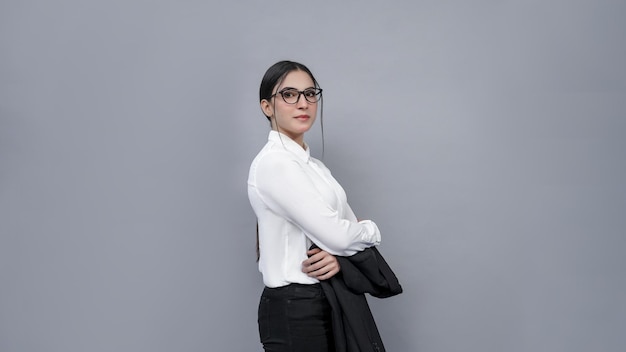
(354,328)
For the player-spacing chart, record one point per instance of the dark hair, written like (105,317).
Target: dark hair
(276,73)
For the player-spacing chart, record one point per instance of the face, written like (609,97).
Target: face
(292,120)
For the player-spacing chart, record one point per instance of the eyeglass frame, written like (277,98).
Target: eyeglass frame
(318,92)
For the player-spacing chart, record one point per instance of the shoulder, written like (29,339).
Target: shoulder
(273,159)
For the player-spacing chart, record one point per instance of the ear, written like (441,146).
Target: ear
(266,107)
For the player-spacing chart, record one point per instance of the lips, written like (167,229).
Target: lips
(303,117)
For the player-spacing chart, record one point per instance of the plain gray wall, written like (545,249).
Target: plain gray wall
(486,138)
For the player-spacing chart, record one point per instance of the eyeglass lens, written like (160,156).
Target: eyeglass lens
(291,96)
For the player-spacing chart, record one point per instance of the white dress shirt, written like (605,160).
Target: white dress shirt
(297,202)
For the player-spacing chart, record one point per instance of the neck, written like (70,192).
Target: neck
(296,138)
(300,141)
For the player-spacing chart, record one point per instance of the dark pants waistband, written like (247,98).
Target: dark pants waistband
(294,291)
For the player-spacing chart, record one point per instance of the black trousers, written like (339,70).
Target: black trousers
(295,318)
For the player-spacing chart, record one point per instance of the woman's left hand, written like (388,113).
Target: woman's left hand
(320,265)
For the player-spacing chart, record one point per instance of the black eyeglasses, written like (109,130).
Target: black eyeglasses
(292,95)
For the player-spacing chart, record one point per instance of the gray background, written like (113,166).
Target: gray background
(486,138)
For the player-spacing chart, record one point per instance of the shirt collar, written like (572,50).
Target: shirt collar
(290,145)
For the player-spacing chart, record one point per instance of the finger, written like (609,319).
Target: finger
(313,251)
(308,267)
(315,258)
(328,275)
(323,269)
(329,270)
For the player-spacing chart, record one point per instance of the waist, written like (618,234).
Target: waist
(294,291)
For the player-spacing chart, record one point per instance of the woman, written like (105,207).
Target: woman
(298,204)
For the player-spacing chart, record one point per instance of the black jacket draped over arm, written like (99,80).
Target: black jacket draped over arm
(354,328)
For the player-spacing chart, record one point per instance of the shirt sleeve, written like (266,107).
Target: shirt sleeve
(286,188)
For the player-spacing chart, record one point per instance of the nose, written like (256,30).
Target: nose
(302,103)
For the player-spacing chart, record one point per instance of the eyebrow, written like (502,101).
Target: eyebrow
(296,88)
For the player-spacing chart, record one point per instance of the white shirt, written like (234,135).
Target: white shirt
(297,202)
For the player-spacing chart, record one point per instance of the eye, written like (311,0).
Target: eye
(289,93)
(310,93)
